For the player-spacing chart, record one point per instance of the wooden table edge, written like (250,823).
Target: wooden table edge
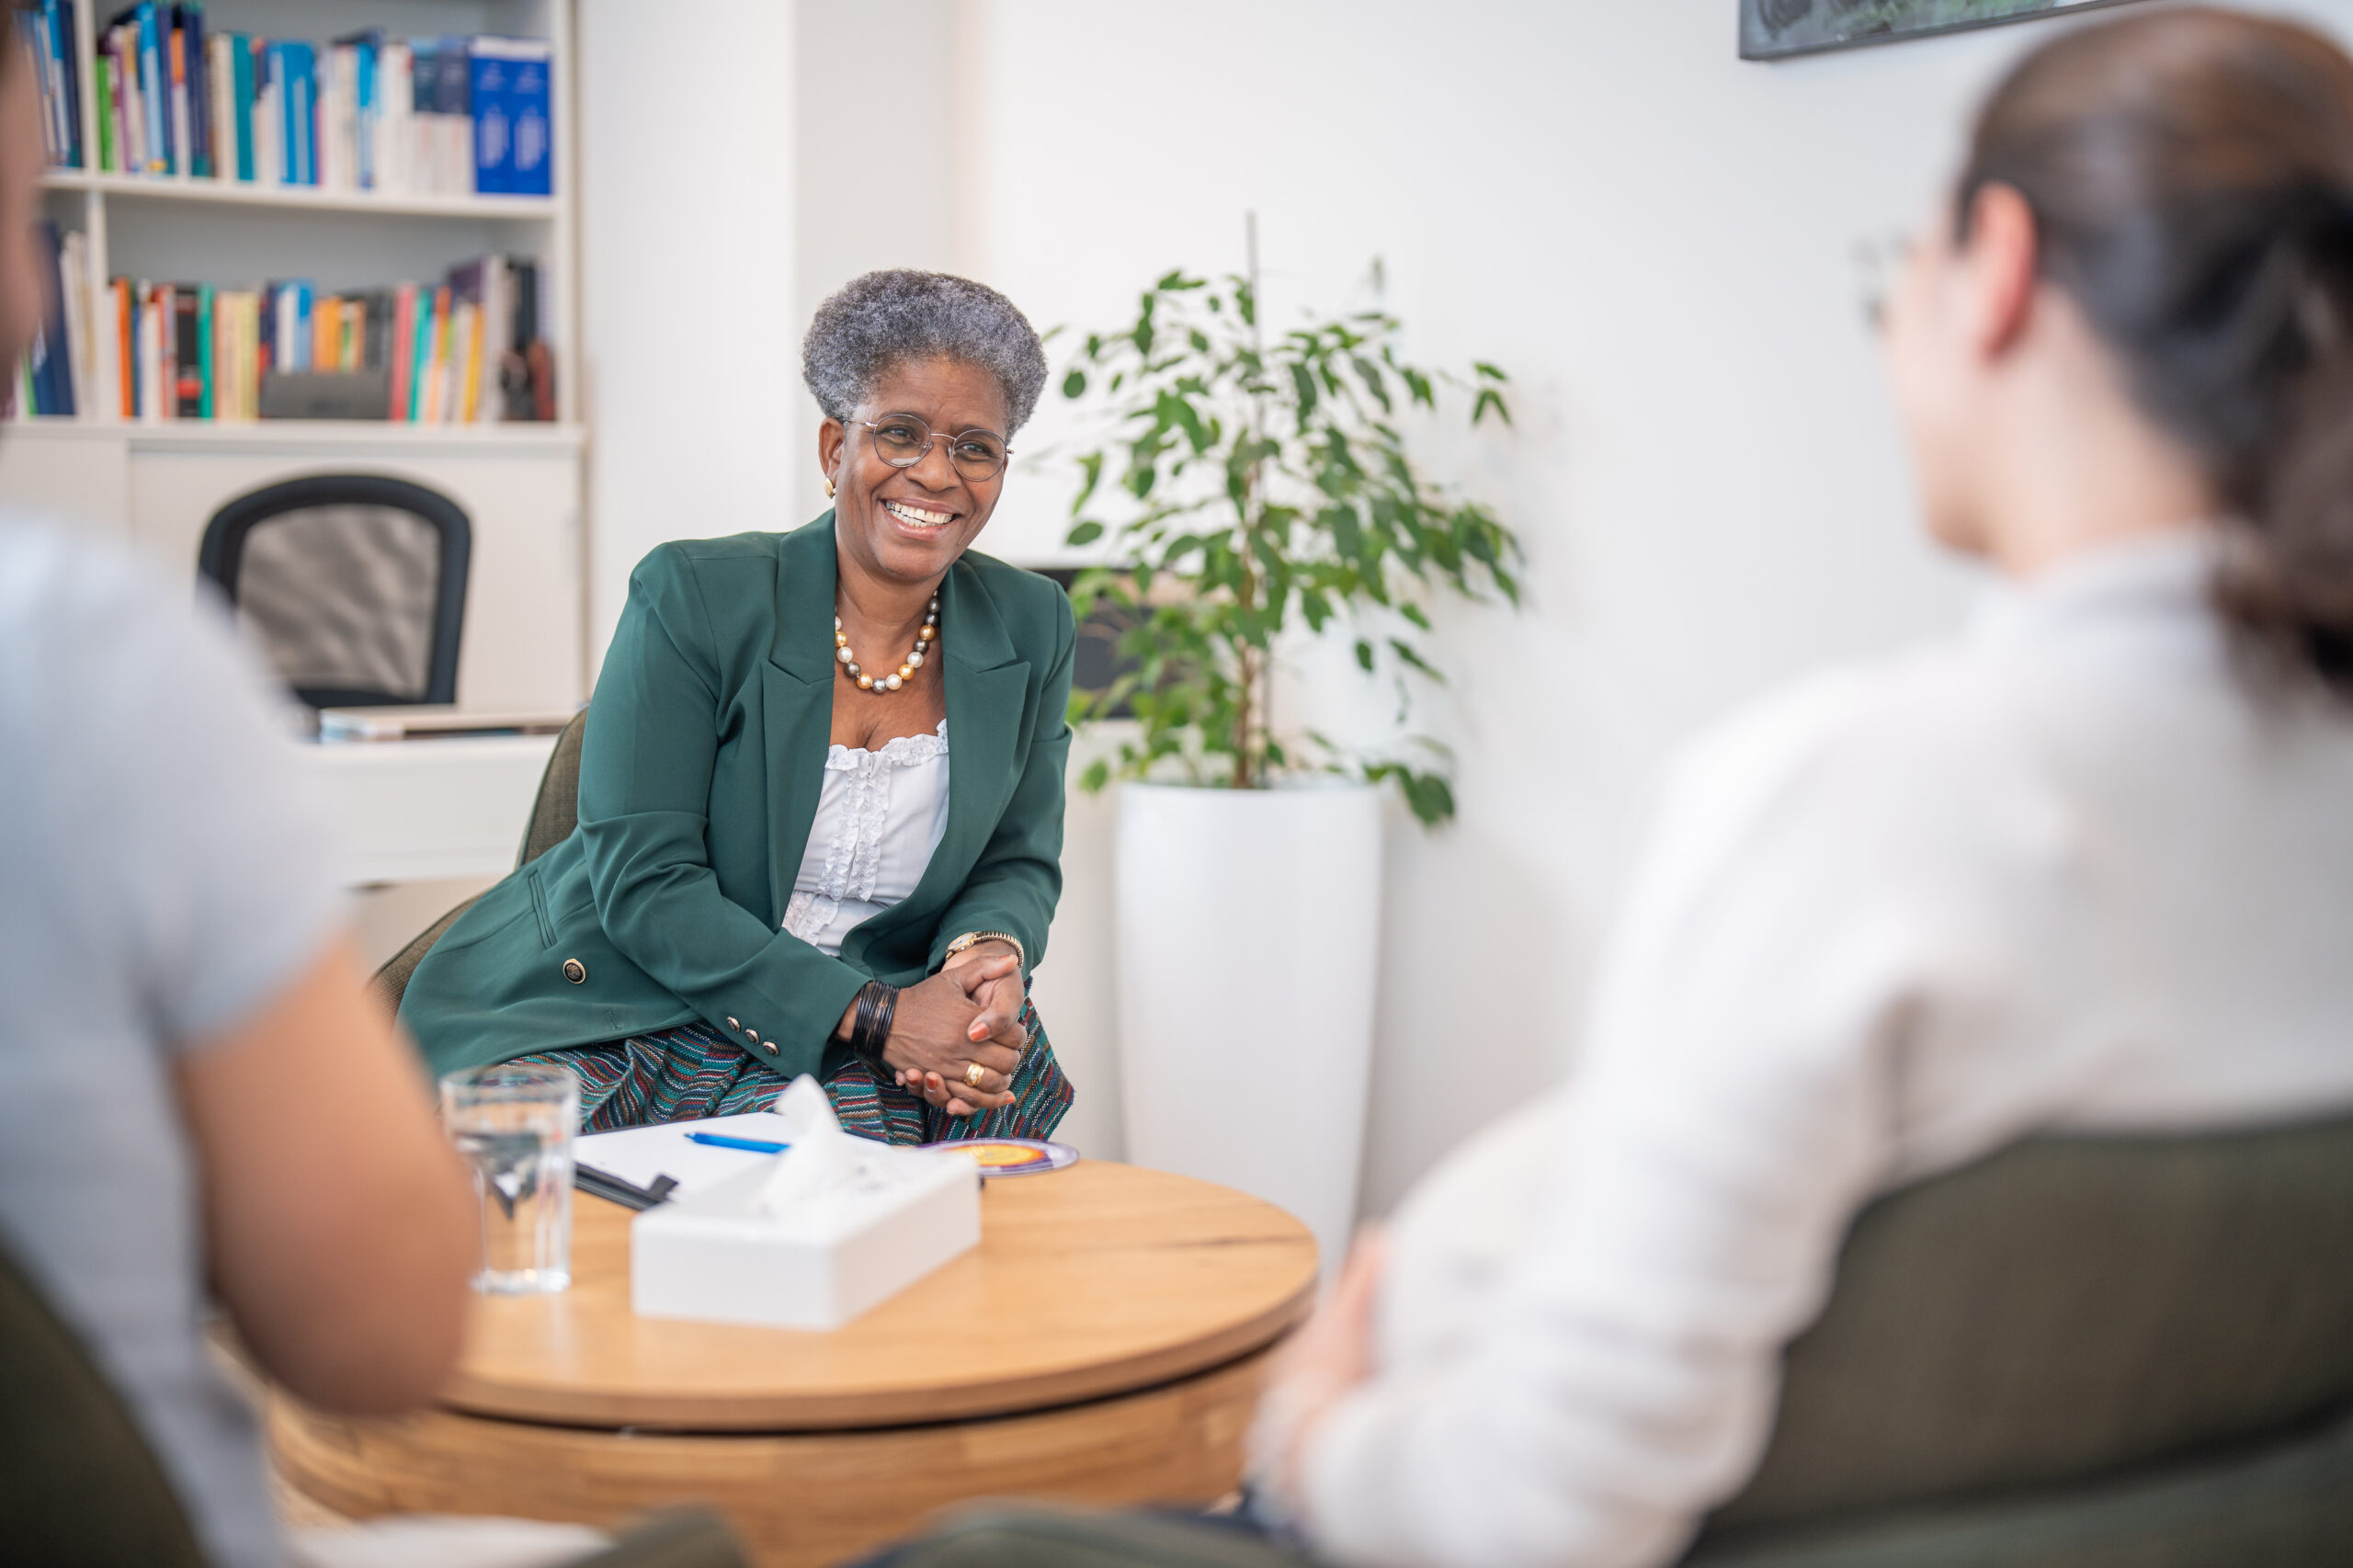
(730,1412)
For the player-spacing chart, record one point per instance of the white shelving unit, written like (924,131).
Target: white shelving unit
(157,482)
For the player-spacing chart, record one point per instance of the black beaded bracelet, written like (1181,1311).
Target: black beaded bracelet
(870,1030)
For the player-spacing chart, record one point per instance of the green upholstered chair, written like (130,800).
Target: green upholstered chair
(554,813)
(79,1487)
(2081,1352)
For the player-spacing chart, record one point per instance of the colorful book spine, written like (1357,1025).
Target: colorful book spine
(189,26)
(494,146)
(183,122)
(102,93)
(241,69)
(206,364)
(154,91)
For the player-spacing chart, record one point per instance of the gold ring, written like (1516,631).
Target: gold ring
(973,1072)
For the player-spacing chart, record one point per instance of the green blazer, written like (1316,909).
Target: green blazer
(704,752)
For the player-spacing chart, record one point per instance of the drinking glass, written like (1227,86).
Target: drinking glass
(514,1127)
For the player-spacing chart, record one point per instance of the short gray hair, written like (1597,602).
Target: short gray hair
(883,320)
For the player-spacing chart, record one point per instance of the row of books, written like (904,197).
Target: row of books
(418,115)
(465,351)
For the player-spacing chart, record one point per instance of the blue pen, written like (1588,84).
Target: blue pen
(754,1145)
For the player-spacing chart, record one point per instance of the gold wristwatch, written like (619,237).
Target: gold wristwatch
(972,938)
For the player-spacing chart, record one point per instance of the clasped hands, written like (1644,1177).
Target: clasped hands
(969,1013)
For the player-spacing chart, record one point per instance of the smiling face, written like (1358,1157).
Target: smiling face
(908,524)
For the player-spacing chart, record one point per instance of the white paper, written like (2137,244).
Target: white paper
(638,1155)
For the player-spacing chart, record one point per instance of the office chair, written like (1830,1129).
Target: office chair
(554,813)
(354,582)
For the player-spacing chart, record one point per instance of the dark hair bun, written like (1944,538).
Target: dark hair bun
(2190,174)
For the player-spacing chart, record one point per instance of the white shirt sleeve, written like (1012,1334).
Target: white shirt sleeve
(1816,895)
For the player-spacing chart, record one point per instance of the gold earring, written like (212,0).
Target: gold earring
(829,487)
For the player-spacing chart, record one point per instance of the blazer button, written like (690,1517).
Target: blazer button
(734,1024)
(575,971)
(752,1035)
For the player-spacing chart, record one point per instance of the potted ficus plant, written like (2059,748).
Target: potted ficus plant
(1257,491)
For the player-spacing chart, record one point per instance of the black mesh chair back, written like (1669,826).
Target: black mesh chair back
(355,585)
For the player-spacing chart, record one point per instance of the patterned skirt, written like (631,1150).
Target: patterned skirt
(694,1070)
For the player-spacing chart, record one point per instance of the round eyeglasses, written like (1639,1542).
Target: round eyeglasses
(904,440)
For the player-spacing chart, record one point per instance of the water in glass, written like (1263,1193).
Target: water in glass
(515,1125)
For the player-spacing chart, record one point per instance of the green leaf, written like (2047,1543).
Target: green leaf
(1091,466)
(1304,384)
(1074,384)
(1084,533)
(1412,612)
(1429,797)
(1489,398)
(1488,372)
(1098,773)
(1364,655)
(1406,651)
(1370,373)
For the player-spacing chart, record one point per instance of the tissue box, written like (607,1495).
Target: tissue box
(716,1255)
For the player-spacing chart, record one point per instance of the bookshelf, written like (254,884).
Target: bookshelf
(155,481)
(237,193)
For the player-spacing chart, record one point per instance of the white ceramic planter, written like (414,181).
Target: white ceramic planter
(1248,927)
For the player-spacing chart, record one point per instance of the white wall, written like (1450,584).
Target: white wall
(689,364)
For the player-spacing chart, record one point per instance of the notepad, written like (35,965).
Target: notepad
(638,1155)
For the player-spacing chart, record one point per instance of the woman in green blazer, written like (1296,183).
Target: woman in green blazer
(772,874)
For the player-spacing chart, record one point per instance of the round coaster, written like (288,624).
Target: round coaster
(1011,1156)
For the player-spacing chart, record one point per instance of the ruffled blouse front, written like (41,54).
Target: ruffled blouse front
(881,815)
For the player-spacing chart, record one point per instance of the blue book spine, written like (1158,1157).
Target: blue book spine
(298,88)
(531,121)
(69,80)
(52,380)
(200,95)
(494,148)
(241,70)
(155,92)
(367,113)
(305,347)
(33,35)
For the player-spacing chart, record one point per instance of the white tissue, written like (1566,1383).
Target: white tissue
(820,1157)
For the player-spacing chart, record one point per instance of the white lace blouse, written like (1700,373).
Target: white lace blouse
(879,816)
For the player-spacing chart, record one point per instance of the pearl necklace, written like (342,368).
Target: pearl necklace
(907,672)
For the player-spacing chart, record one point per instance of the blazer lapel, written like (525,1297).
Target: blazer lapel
(985,686)
(797,700)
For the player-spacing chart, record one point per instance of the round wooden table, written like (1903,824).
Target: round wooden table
(1103,1343)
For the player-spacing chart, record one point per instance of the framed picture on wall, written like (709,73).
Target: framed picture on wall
(1774,29)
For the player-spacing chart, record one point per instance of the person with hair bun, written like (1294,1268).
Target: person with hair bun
(771,874)
(2089,865)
